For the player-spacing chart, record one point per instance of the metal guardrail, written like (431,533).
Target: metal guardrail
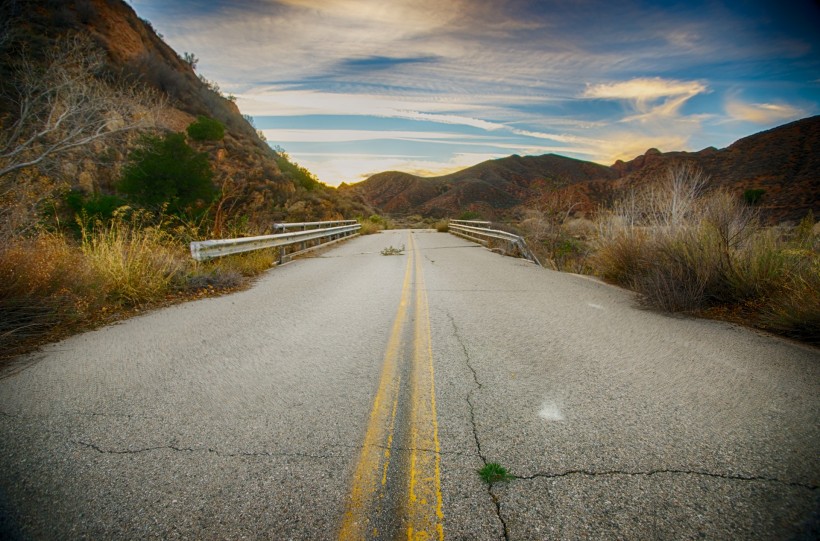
(312,225)
(469,229)
(209,249)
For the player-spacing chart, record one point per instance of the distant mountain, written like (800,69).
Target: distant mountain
(784,162)
(491,187)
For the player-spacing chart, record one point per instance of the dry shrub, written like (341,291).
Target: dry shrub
(132,262)
(685,250)
(795,311)
(245,264)
(42,284)
(678,272)
(758,270)
(442,226)
(368,227)
(621,257)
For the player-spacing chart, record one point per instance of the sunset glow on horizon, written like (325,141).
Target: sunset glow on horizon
(354,87)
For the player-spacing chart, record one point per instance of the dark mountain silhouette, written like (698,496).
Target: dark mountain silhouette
(784,162)
(491,188)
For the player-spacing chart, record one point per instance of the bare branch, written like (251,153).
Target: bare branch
(64,105)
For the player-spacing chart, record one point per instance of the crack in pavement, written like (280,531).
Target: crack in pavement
(478,386)
(590,473)
(103,450)
(209,450)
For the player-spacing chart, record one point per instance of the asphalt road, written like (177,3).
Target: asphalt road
(355,395)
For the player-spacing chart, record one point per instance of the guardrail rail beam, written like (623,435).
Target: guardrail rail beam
(470,230)
(209,249)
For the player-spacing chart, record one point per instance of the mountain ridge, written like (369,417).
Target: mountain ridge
(783,161)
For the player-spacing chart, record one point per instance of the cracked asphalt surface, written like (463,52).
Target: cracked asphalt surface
(243,416)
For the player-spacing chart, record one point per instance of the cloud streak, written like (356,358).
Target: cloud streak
(591,79)
(763,113)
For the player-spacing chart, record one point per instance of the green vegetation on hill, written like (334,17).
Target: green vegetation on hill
(166,171)
(206,129)
(295,172)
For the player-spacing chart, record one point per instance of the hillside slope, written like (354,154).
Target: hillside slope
(246,169)
(783,161)
(492,188)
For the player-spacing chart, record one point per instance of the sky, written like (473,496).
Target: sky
(350,88)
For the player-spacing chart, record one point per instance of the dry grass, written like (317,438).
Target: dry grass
(51,286)
(685,250)
(795,311)
(369,228)
(43,283)
(132,263)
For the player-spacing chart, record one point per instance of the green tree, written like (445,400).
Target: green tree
(165,170)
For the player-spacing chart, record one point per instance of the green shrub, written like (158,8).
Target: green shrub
(469,215)
(753,197)
(295,172)
(206,129)
(166,171)
(95,206)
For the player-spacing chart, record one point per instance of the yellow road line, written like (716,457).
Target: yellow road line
(366,486)
(424,503)
(422,507)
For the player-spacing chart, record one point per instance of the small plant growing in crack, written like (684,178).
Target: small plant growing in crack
(493,472)
(391,250)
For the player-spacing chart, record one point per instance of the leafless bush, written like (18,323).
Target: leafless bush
(62,105)
(546,229)
(685,249)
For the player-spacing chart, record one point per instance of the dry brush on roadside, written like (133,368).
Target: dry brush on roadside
(686,249)
(52,285)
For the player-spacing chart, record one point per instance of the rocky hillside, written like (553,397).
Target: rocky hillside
(784,162)
(260,184)
(493,188)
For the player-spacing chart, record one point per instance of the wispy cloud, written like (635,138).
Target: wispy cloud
(591,79)
(339,136)
(763,113)
(650,97)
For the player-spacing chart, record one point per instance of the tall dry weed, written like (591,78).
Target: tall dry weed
(133,261)
(43,283)
(685,249)
(795,311)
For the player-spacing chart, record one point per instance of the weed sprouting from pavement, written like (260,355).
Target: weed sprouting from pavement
(493,472)
(391,250)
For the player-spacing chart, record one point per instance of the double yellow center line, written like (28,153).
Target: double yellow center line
(420,508)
